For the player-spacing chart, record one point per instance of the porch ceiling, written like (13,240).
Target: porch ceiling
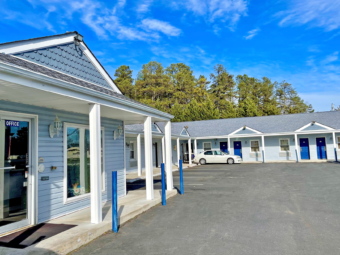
(21,94)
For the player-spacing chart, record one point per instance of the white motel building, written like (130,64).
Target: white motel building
(53,92)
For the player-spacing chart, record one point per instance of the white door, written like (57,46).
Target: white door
(15,160)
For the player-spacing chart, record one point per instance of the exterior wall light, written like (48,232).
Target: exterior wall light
(55,127)
(244,127)
(118,133)
(78,39)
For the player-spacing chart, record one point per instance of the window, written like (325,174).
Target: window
(255,146)
(284,144)
(218,153)
(338,142)
(132,150)
(206,146)
(208,153)
(78,160)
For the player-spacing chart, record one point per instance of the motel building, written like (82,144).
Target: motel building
(65,126)
(308,137)
(62,132)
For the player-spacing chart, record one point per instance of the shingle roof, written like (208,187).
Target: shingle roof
(66,58)
(264,124)
(60,76)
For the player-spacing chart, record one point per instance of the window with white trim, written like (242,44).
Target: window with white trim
(338,142)
(132,150)
(254,146)
(78,160)
(207,146)
(284,144)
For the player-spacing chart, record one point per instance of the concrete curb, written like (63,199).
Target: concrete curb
(73,239)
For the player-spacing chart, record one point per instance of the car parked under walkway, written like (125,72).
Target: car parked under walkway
(239,209)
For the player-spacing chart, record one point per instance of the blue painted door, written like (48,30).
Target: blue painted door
(304,146)
(321,148)
(238,149)
(224,146)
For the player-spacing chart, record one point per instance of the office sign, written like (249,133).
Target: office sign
(12,123)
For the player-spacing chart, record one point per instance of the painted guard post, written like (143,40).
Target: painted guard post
(163,185)
(114,202)
(181,177)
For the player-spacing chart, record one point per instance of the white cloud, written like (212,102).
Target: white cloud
(144,6)
(228,11)
(315,13)
(252,33)
(160,26)
(331,58)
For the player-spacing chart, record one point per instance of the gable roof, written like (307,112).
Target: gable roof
(263,124)
(18,62)
(60,53)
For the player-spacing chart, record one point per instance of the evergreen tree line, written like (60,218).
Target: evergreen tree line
(177,91)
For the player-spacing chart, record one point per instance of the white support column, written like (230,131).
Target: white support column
(296,148)
(228,144)
(148,158)
(195,147)
(163,149)
(139,155)
(190,154)
(263,150)
(95,164)
(178,152)
(168,160)
(334,144)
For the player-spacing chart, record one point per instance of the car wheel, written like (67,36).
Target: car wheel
(202,161)
(230,161)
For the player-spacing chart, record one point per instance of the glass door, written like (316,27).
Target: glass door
(15,146)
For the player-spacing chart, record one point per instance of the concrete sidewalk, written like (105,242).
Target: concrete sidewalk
(133,177)
(129,207)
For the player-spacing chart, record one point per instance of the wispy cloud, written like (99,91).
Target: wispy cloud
(226,11)
(315,13)
(144,6)
(331,58)
(252,33)
(161,26)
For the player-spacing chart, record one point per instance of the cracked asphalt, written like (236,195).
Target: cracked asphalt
(238,209)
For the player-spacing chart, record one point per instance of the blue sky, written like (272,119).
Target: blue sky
(293,40)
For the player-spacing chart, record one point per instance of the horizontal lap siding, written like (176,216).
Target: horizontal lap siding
(50,193)
(272,148)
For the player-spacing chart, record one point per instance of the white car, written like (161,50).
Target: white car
(216,156)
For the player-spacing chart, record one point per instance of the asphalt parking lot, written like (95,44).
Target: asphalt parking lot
(239,209)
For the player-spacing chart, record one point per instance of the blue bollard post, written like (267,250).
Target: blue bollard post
(335,154)
(163,185)
(262,156)
(114,203)
(181,177)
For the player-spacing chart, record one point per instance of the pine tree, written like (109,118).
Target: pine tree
(124,80)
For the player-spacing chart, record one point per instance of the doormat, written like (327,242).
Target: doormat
(33,235)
